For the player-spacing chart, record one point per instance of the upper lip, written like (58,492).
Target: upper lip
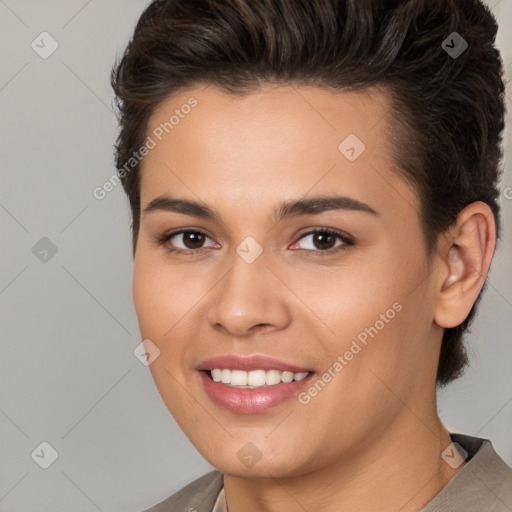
(248,363)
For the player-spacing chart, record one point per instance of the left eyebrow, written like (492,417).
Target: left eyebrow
(311,206)
(321,204)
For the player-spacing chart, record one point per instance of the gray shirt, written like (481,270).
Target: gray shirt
(484,484)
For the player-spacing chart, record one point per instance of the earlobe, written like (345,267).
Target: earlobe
(464,259)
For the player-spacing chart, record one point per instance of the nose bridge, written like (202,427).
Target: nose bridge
(249,294)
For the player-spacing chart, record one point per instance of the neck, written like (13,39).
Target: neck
(400,469)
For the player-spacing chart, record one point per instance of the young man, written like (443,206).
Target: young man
(313,191)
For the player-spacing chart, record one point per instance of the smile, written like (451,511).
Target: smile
(255,378)
(251,384)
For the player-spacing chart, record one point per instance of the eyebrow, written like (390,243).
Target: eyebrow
(311,206)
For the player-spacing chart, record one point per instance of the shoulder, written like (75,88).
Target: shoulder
(197,496)
(483,483)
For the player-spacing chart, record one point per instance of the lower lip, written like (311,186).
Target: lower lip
(252,401)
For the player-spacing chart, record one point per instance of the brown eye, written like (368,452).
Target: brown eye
(185,241)
(324,240)
(193,239)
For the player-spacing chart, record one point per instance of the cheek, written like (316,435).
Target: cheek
(143,294)
(167,301)
(350,296)
(381,304)
(152,294)
(392,329)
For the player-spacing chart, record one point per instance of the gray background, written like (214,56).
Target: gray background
(68,373)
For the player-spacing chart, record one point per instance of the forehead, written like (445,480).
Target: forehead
(269,145)
(272,115)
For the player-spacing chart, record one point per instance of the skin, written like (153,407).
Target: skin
(371,439)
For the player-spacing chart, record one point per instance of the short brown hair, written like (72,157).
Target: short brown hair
(448,111)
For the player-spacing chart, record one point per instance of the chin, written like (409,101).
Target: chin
(245,460)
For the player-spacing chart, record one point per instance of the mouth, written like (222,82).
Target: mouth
(251,385)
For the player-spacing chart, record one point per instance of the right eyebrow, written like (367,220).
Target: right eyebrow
(184,206)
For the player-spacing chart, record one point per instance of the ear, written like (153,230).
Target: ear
(464,256)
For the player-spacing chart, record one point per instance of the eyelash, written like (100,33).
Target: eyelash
(347,241)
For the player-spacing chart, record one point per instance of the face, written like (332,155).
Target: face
(273,244)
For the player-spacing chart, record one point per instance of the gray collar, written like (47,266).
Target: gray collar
(483,484)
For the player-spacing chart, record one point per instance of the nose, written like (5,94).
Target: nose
(249,298)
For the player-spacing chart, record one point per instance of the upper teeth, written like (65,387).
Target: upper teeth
(254,378)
